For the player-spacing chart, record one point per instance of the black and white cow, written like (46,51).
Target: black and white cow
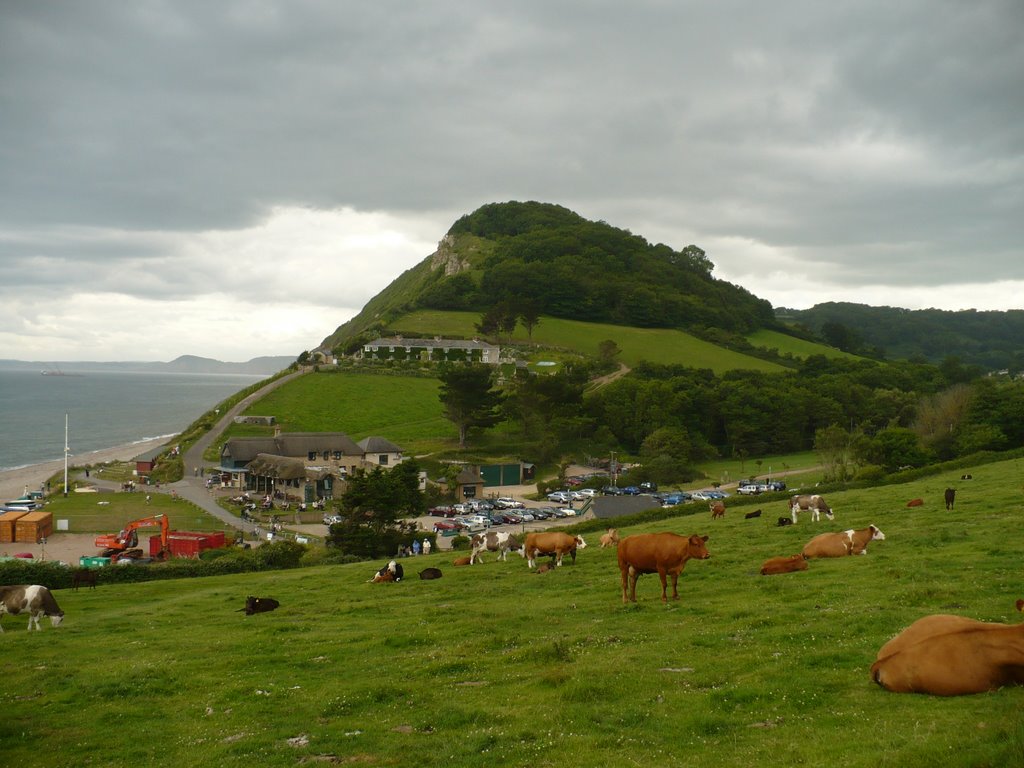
(493,541)
(32,599)
(816,504)
(259,605)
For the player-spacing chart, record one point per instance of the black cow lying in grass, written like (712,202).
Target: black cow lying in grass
(259,605)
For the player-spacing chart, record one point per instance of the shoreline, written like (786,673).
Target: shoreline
(13,481)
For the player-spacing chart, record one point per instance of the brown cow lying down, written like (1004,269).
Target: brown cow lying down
(609,539)
(462,560)
(952,656)
(662,553)
(842,543)
(391,572)
(259,605)
(775,565)
(430,573)
(915,503)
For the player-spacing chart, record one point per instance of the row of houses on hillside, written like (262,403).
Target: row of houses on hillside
(435,350)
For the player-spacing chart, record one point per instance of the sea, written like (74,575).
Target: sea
(105,409)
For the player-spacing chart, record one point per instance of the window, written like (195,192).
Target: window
(311,456)
(327,455)
(337,455)
(383,459)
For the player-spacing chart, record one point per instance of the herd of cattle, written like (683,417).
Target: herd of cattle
(944,655)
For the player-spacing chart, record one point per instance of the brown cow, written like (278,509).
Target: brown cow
(553,543)
(662,553)
(950,496)
(776,565)
(609,539)
(83,576)
(462,561)
(948,655)
(842,543)
(717,508)
(915,503)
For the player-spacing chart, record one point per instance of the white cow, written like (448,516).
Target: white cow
(816,504)
(33,599)
(493,541)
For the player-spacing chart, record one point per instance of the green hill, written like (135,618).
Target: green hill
(563,266)
(655,345)
(497,665)
(785,344)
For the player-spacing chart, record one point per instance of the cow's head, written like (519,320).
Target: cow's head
(56,618)
(876,534)
(580,543)
(697,548)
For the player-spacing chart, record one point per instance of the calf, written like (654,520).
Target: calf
(784,521)
(33,599)
(430,573)
(950,496)
(915,503)
(946,655)
(259,605)
(776,565)
(717,509)
(663,553)
(610,539)
(462,561)
(83,576)
(752,515)
(493,541)
(553,543)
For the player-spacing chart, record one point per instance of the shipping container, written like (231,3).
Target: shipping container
(187,543)
(7,521)
(33,527)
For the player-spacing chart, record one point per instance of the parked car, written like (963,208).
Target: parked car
(559,513)
(561,497)
(540,514)
(671,499)
(751,489)
(447,525)
(441,511)
(631,490)
(526,515)
(569,511)
(648,487)
(507,502)
(512,518)
(611,490)
(701,496)
(332,519)
(587,493)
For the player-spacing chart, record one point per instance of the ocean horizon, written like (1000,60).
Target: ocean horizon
(104,409)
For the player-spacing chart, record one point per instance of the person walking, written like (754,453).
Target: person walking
(426,546)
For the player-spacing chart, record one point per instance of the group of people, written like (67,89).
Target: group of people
(416,548)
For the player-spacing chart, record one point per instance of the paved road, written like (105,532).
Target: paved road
(193,487)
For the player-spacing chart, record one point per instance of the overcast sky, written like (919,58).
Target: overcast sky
(234,179)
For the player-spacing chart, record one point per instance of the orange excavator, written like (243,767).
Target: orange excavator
(123,544)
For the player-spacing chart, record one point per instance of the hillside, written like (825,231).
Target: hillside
(562,266)
(991,340)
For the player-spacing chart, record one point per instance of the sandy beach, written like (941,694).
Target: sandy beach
(14,481)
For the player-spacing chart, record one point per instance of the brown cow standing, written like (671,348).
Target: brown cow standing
(950,497)
(843,543)
(83,576)
(948,655)
(717,509)
(662,553)
(553,543)
(776,565)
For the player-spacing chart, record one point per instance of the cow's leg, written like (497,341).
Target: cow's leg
(34,618)
(792,511)
(664,585)
(633,576)
(559,554)
(675,580)
(815,515)
(624,572)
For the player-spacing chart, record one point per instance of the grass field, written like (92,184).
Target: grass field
(495,665)
(404,409)
(796,347)
(656,345)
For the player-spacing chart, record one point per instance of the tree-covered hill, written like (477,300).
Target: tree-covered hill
(991,340)
(564,266)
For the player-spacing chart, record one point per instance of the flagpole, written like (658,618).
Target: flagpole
(66,451)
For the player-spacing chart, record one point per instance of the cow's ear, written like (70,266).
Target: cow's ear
(704,538)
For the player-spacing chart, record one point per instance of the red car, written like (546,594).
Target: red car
(447,525)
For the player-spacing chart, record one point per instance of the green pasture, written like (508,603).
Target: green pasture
(799,348)
(795,469)
(108,511)
(495,665)
(404,409)
(656,345)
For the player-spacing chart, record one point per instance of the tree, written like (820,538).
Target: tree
(373,506)
(469,398)
(529,313)
(608,350)
(839,451)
